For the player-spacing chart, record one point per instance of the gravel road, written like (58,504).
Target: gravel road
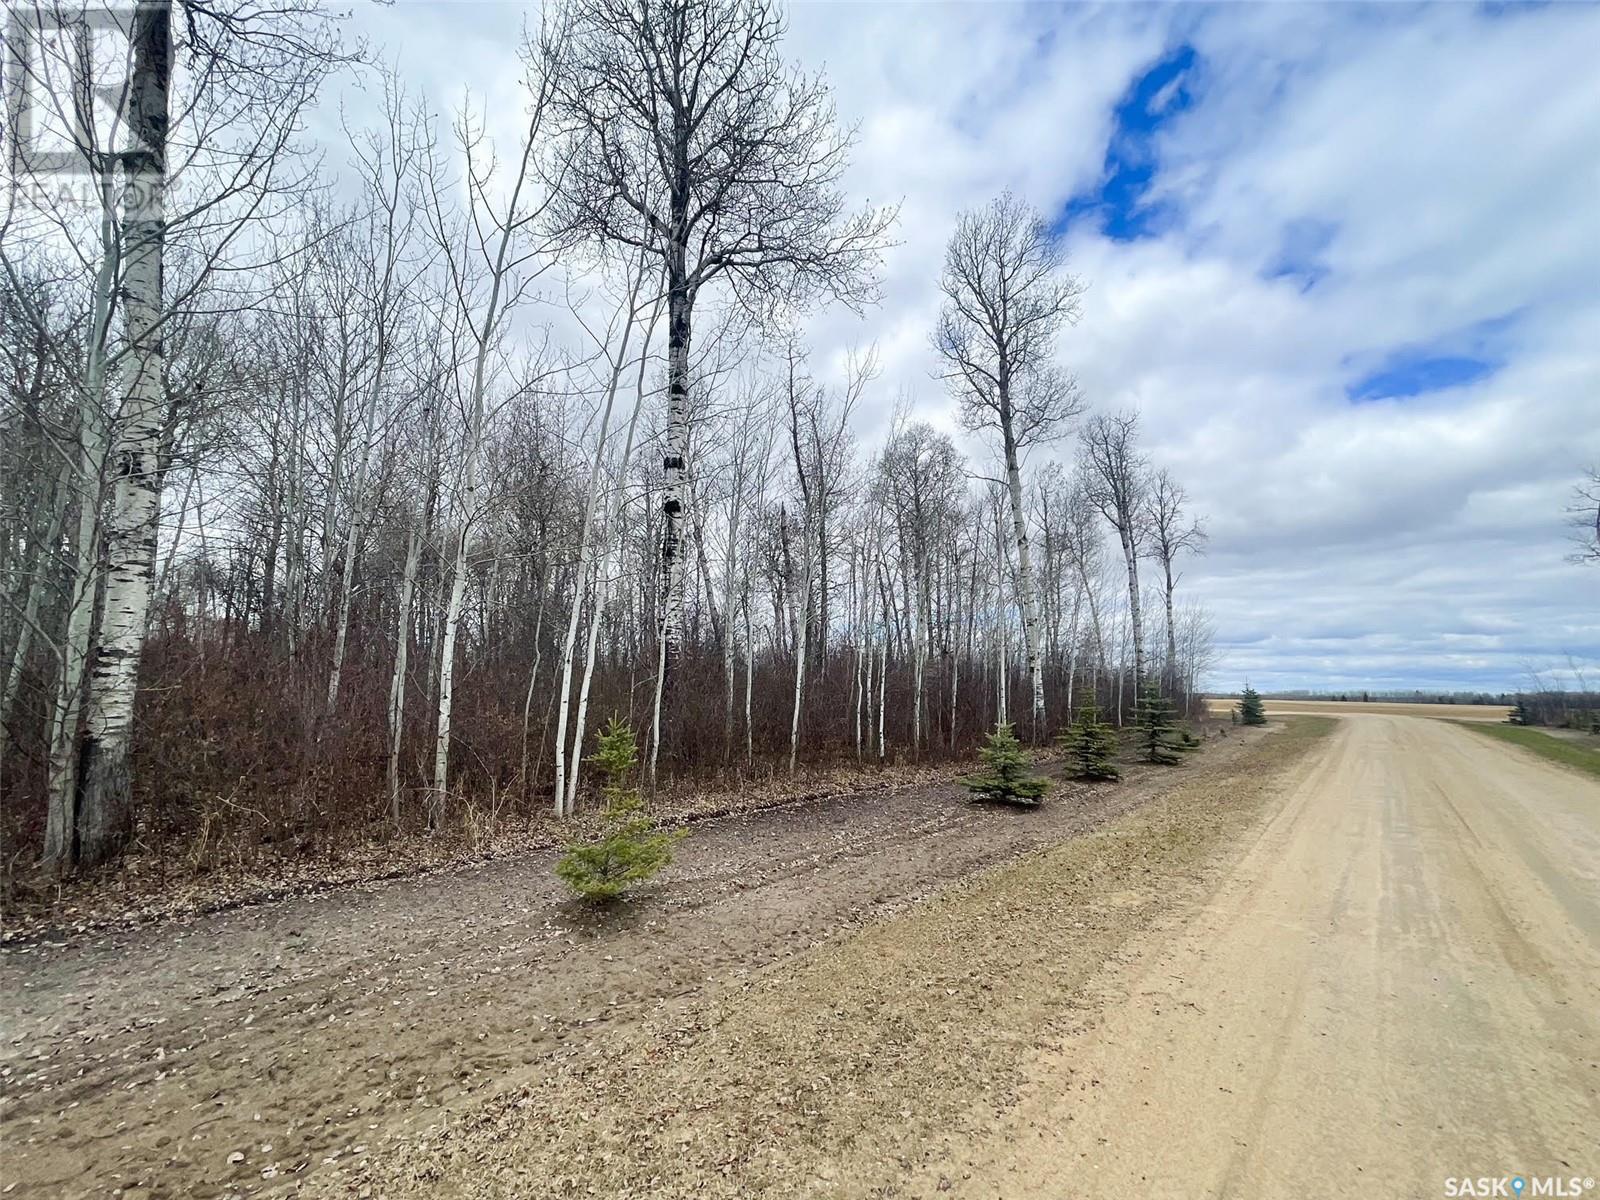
(1395,987)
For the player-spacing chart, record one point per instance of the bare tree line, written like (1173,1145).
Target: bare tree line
(343,509)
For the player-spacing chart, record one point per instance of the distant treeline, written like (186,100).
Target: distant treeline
(1372,697)
(1550,707)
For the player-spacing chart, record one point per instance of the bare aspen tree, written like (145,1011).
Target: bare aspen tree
(687,136)
(1583,515)
(819,425)
(1006,298)
(492,257)
(389,267)
(750,462)
(1197,644)
(1004,570)
(1116,483)
(83,471)
(1172,533)
(920,482)
(800,393)
(612,344)
(223,127)
(397,681)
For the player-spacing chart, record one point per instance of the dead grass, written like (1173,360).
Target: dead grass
(1568,752)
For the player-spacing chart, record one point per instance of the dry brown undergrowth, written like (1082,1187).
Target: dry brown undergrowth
(140,890)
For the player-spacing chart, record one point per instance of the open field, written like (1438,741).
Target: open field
(1221,706)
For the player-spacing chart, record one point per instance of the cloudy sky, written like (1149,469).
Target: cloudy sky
(1344,260)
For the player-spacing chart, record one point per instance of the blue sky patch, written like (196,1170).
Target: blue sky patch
(1413,374)
(1453,360)
(1118,201)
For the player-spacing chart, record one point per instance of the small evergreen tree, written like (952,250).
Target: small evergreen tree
(1251,710)
(628,848)
(1007,780)
(1091,744)
(1520,714)
(1158,735)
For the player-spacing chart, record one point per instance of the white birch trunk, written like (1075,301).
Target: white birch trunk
(447,676)
(728,601)
(674,464)
(1027,591)
(918,656)
(397,683)
(883,675)
(61,826)
(1072,650)
(583,697)
(1130,554)
(863,613)
(802,637)
(1172,634)
(105,801)
(660,691)
(749,681)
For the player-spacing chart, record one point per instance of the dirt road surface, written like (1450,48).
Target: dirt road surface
(1396,984)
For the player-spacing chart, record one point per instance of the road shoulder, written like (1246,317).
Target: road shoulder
(855,1066)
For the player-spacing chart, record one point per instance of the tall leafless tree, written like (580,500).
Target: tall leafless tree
(687,136)
(1116,482)
(1006,298)
(1172,533)
(105,808)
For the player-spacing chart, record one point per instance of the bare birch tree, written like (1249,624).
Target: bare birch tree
(1116,483)
(687,136)
(1172,533)
(612,345)
(1006,297)
(492,255)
